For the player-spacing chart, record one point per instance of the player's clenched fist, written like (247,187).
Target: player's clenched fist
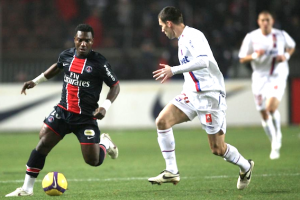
(100,113)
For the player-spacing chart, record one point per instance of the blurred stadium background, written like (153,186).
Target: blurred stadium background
(34,32)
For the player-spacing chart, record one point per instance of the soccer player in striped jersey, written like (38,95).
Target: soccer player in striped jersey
(203,95)
(84,73)
(268,49)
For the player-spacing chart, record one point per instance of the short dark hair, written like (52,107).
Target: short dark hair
(84,28)
(172,14)
(265,12)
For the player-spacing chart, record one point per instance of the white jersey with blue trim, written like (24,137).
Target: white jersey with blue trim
(192,44)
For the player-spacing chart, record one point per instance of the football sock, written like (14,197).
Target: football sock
(277,125)
(105,143)
(269,128)
(102,154)
(233,156)
(28,183)
(35,163)
(166,143)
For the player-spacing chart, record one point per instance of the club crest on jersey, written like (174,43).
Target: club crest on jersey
(88,69)
(50,119)
(191,44)
(208,118)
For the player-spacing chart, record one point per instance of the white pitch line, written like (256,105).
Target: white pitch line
(146,178)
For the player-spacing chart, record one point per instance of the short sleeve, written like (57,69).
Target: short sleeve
(109,77)
(246,47)
(289,42)
(59,61)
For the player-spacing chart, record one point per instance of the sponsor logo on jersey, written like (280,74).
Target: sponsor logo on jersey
(184,60)
(90,133)
(50,119)
(208,118)
(65,64)
(76,82)
(88,69)
(108,73)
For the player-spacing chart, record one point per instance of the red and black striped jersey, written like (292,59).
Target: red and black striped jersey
(83,80)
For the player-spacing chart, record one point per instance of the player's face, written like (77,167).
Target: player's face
(83,43)
(265,22)
(166,28)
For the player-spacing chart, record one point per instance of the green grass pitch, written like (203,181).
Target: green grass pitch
(203,175)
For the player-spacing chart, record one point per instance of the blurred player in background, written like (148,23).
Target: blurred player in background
(268,49)
(203,96)
(77,112)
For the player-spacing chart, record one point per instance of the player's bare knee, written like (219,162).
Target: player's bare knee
(92,162)
(161,123)
(43,147)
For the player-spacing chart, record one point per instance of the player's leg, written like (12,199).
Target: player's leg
(272,108)
(266,120)
(36,161)
(214,123)
(94,152)
(231,155)
(167,118)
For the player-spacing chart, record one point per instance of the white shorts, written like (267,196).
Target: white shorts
(266,87)
(212,120)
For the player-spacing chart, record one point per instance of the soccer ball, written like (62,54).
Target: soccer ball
(54,184)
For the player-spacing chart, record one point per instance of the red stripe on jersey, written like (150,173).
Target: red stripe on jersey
(197,84)
(273,65)
(274,59)
(73,99)
(116,83)
(77,65)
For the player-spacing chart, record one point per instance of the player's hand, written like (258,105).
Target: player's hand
(99,113)
(260,52)
(27,85)
(163,73)
(280,58)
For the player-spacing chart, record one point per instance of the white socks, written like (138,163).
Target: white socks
(269,128)
(277,125)
(166,143)
(273,129)
(28,183)
(105,142)
(233,156)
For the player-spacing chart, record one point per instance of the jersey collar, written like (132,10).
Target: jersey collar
(183,32)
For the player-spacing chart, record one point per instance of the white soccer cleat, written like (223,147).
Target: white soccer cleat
(274,154)
(244,179)
(165,177)
(19,192)
(112,150)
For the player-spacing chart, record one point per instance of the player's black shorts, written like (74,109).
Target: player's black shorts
(63,122)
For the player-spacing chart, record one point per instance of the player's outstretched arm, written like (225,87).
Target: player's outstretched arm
(52,71)
(163,73)
(111,96)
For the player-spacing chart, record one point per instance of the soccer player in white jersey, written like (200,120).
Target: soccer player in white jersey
(203,95)
(268,49)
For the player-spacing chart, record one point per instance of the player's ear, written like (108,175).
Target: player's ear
(169,23)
